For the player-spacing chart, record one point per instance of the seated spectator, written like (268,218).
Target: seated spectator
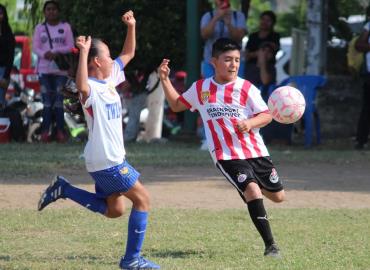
(260,55)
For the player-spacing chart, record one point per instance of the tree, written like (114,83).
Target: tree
(160,26)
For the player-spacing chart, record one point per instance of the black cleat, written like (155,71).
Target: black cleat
(272,251)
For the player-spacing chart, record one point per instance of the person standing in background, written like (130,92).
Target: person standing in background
(363,126)
(218,23)
(50,38)
(260,54)
(7,45)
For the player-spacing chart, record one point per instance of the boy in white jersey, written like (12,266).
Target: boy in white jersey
(233,111)
(96,79)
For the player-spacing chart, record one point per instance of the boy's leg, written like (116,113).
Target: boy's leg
(136,229)
(257,212)
(277,197)
(240,174)
(61,188)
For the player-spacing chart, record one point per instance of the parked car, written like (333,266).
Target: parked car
(282,59)
(24,65)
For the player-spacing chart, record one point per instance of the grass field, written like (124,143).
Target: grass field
(185,239)
(37,159)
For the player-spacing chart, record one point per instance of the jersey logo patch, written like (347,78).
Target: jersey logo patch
(111,89)
(124,170)
(242,177)
(274,177)
(205,96)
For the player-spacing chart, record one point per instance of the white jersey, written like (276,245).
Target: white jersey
(221,107)
(103,114)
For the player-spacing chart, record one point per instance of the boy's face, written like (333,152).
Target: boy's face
(226,66)
(105,60)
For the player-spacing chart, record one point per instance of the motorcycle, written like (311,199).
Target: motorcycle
(24,110)
(73,113)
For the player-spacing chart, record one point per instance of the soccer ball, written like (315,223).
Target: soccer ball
(286,104)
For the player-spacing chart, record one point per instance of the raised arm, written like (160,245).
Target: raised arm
(170,92)
(84,44)
(238,31)
(128,50)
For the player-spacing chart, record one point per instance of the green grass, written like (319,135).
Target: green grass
(37,160)
(185,239)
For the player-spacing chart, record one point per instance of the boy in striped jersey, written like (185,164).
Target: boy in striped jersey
(233,111)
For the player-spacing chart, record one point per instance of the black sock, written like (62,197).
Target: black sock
(259,217)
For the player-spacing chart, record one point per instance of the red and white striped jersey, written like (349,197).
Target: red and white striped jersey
(221,107)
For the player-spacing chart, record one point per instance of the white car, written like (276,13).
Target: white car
(282,58)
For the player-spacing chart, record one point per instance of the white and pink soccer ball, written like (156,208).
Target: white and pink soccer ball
(286,104)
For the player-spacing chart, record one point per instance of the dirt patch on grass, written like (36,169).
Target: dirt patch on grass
(309,185)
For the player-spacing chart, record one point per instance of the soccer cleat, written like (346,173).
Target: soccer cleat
(53,192)
(138,263)
(45,138)
(272,251)
(61,137)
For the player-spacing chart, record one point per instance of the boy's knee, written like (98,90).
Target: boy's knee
(252,192)
(115,212)
(278,197)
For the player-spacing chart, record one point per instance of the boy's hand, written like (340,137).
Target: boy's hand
(164,70)
(83,43)
(128,18)
(4,83)
(244,126)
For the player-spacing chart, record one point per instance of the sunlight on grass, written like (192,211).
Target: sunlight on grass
(185,239)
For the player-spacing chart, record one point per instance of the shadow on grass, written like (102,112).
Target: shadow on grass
(175,254)
(5,258)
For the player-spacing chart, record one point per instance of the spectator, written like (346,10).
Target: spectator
(260,54)
(221,22)
(135,102)
(50,38)
(155,105)
(7,44)
(363,45)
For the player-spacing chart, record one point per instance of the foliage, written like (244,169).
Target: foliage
(255,10)
(296,18)
(196,239)
(160,26)
(16,25)
(337,9)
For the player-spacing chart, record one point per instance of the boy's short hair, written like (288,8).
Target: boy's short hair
(222,45)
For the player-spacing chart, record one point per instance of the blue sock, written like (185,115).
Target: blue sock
(86,199)
(136,233)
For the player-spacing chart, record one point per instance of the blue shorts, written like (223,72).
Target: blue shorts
(120,178)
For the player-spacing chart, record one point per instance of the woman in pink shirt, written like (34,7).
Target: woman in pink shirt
(50,38)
